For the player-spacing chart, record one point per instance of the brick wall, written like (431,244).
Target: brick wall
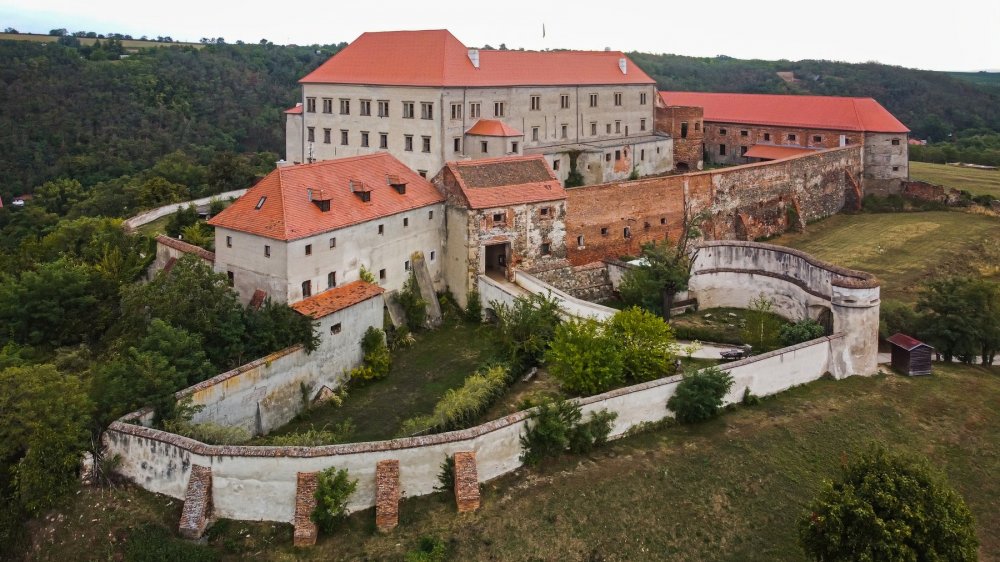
(305,503)
(197,503)
(684,124)
(735,136)
(387,495)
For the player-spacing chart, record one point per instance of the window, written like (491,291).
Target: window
(364,138)
(545,249)
(383,140)
(381,229)
(642,155)
(579,241)
(407,110)
(333,243)
(307,289)
(555,165)
(593,100)
(311,105)
(722,150)
(426,144)
(406,222)
(534,134)
(743,151)
(722,131)
(345,106)
(498,109)
(260,202)
(627,233)
(642,98)
(564,130)
(895,168)
(792,137)
(484,147)
(335,329)
(432,255)
(408,143)
(767,137)
(366,108)
(311,134)
(618,98)
(430,215)
(663,220)
(604,231)
(618,155)
(457,144)
(383,108)
(426,110)
(267,251)
(607,157)
(536,103)
(608,128)
(422,173)
(231,277)
(618,126)
(513,147)
(474,110)
(326,136)
(456,111)
(895,142)
(343,137)
(642,124)
(381,275)
(593,128)
(744,133)
(817,138)
(564,101)
(309,249)
(229,241)
(544,211)
(498,217)
(406,265)
(327,105)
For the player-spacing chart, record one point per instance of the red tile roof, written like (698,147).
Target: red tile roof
(437,58)
(493,128)
(295,110)
(288,214)
(771,152)
(513,180)
(338,298)
(906,342)
(814,112)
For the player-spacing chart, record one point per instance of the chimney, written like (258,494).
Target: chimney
(474,57)
(623,65)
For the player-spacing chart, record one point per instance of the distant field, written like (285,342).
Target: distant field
(127,43)
(977,182)
(982,78)
(901,249)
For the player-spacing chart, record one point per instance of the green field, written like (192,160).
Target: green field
(976,182)
(730,489)
(127,43)
(904,249)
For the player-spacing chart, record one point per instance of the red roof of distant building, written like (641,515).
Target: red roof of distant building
(493,128)
(906,342)
(513,180)
(437,58)
(770,152)
(814,112)
(338,298)
(295,110)
(279,207)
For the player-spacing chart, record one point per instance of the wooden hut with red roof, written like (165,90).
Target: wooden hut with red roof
(910,356)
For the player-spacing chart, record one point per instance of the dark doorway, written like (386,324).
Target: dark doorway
(498,261)
(682,167)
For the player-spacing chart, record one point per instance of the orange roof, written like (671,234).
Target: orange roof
(493,128)
(295,110)
(437,58)
(338,298)
(512,180)
(771,152)
(278,206)
(814,112)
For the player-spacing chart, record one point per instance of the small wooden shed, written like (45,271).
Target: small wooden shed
(910,356)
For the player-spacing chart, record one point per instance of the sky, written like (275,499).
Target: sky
(953,35)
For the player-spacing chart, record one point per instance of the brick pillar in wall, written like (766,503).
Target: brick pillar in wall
(305,503)
(466,481)
(197,503)
(387,495)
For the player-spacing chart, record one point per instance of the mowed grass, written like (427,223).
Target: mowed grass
(976,182)
(901,249)
(731,489)
(439,360)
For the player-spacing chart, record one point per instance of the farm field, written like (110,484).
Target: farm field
(127,43)
(730,489)
(976,182)
(904,249)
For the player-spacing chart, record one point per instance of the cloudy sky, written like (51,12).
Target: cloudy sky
(953,35)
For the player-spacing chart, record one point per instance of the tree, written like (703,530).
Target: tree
(699,396)
(58,196)
(180,348)
(526,327)
(333,489)
(763,326)
(801,331)
(276,326)
(585,358)
(891,507)
(961,317)
(183,218)
(137,379)
(645,342)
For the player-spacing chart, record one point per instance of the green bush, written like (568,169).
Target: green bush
(645,341)
(333,488)
(366,275)
(699,396)
(446,477)
(801,331)
(762,324)
(431,549)
(895,317)
(889,507)
(152,543)
(555,427)
(585,358)
(377,360)
(527,327)
(473,307)
(414,306)
(461,407)
(311,437)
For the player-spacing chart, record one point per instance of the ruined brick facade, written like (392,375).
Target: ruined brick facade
(589,282)
(684,124)
(738,138)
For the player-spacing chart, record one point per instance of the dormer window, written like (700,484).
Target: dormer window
(397,183)
(260,203)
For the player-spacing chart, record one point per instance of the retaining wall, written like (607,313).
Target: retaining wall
(160,212)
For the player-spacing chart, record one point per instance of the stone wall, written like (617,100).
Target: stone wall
(589,282)
(887,162)
(738,138)
(684,124)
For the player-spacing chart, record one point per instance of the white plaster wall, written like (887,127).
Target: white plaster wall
(458,253)
(569,304)
(160,212)
(251,268)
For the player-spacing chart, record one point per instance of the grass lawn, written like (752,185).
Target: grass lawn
(726,325)
(439,360)
(976,182)
(730,489)
(155,228)
(902,249)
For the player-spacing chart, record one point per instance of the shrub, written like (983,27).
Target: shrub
(414,306)
(645,341)
(446,477)
(333,488)
(473,307)
(895,317)
(699,396)
(527,327)
(312,437)
(152,543)
(461,407)
(889,507)
(762,324)
(749,398)
(801,331)
(377,360)
(555,428)
(431,549)
(366,275)
(584,358)
(211,433)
